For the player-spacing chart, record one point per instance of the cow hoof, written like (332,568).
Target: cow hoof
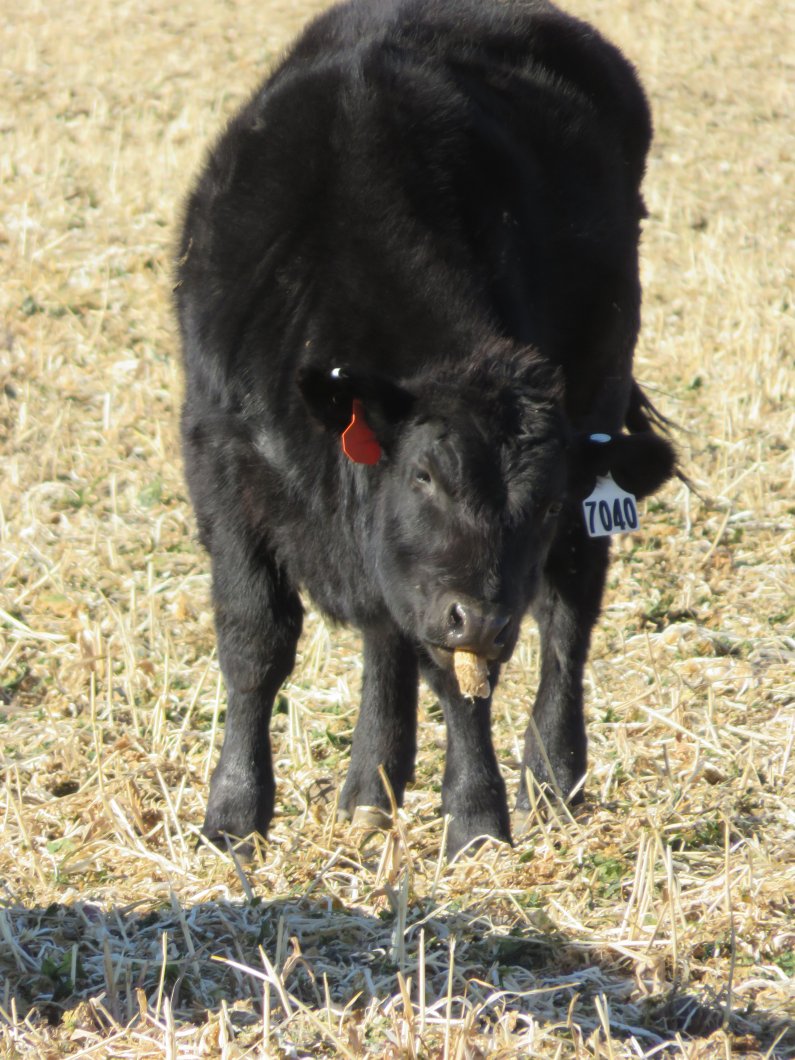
(474,846)
(242,848)
(463,840)
(366,817)
(239,806)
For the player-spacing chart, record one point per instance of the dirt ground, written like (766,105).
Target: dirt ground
(660,919)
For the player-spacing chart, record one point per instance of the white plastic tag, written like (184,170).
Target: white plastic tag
(609,509)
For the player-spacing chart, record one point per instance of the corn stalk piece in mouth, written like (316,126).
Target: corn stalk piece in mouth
(472,673)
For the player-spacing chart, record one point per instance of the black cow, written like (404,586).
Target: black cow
(421,233)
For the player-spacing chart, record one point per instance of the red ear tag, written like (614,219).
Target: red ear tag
(358,441)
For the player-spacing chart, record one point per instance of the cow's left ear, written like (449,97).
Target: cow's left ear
(640,463)
(364,410)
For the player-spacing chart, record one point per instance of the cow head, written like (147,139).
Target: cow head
(472,471)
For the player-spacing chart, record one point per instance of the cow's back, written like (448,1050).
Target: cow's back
(411,177)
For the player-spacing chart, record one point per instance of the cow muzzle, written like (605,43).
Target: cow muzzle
(476,628)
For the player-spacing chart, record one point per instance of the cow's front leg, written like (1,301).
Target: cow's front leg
(566,609)
(473,791)
(386,729)
(258,618)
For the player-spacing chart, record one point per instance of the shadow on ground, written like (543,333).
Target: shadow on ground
(79,965)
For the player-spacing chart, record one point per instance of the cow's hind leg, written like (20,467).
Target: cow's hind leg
(566,609)
(473,791)
(386,729)
(258,618)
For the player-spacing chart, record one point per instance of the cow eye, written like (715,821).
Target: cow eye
(423,476)
(553,509)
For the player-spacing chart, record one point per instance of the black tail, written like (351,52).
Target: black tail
(642,415)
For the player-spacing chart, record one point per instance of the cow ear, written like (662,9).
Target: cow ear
(640,463)
(366,411)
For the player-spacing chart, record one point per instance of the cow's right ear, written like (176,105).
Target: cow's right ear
(364,410)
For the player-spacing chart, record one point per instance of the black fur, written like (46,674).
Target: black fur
(441,200)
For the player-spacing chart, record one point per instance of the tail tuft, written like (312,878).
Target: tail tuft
(642,415)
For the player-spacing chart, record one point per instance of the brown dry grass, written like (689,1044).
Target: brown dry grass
(662,918)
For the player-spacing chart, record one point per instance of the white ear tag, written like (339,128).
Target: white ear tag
(609,509)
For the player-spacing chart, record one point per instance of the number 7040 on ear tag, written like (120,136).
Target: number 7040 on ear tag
(609,509)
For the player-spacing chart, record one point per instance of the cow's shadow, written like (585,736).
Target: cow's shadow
(78,962)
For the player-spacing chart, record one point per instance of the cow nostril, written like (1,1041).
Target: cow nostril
(479,630)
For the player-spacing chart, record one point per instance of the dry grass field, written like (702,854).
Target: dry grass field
(657,921)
